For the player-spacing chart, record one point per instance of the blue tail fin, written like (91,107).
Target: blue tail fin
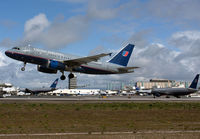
(194,82)
(123,56)
(54,84)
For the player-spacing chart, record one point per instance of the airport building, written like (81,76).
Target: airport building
(6,89)
(161,83)
(72,82)
(75,92)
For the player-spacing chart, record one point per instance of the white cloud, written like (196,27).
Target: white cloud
(60,34)
(35,26)
(57,34)
(101,9)
(158,61)
(174,9)
(191,35)
(187,41)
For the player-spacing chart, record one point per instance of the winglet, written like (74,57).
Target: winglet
(194,82)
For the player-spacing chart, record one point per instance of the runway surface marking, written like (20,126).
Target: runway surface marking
(101,133)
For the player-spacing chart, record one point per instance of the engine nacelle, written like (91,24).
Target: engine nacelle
(46,70)
(52,64)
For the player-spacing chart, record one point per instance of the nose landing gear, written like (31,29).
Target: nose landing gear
(23,68)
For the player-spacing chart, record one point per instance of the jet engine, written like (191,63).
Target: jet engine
(46,70)
(52,64)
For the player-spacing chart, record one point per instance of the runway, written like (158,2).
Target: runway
(100,133)
(99,99)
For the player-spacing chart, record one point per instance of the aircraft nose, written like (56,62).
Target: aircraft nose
(7,53)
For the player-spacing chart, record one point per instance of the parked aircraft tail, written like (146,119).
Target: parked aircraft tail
(194,82)
(123,56)
(54,84)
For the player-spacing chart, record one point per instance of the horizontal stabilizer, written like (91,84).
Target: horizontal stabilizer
(126,69)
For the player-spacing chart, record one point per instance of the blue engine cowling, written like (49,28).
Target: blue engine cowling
(56,65)
(44,69)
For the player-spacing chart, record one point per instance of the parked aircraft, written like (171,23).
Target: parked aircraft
(51,62)
(177,92)
(35,91)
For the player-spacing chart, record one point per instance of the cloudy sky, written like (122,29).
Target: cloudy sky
(166,34)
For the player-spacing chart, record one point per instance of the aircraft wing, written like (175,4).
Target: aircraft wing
(84,60)
(126,69)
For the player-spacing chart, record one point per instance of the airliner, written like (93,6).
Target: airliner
(51,62)
(177,92)
(35,91)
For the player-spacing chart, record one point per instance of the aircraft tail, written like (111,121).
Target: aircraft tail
(123,56)
(54,84)
(194,82)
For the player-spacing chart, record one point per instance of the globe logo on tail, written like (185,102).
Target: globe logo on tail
(125,53)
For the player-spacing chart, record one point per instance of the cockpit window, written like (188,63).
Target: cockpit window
(16,48)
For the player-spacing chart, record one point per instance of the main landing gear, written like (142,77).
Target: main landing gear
(23,68)
(62,77)
(70,76)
